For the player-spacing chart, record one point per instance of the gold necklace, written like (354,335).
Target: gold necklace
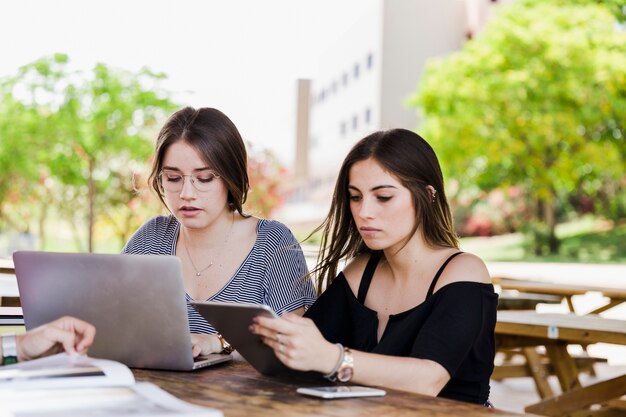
(200,271)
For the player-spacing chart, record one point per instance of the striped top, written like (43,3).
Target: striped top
(272,273)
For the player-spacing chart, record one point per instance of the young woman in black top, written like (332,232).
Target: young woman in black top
(409,311)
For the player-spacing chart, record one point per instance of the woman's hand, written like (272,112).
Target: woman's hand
(66,333)
(297,342)
(204,344)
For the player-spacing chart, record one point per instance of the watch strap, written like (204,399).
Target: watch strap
(346,370)
(9,349)
(332,375)
(226,347)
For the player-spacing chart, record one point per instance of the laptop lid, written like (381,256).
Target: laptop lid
(136,302)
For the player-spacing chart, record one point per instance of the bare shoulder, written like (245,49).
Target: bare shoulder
(354,270)
(465,267)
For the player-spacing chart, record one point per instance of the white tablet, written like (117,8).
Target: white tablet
(232,321)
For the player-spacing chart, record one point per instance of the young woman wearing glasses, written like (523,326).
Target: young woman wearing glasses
(200,175)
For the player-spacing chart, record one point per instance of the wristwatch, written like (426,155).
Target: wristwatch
(226,347)
(346,369)
(9,349)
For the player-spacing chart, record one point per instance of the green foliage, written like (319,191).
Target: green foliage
(590,241)
(616,7)
(537,101)
(73,140)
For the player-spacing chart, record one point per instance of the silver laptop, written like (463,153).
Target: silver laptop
(136,302)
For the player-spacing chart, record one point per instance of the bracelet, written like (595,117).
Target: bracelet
(9,349)
(226,347)
(332,375)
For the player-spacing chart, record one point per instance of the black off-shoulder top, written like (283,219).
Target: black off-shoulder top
(453,327)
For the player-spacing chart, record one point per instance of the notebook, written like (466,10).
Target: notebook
(136,302)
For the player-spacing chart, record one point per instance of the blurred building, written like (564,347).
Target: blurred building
(363,85)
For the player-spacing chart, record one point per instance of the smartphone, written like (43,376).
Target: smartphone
(341,392)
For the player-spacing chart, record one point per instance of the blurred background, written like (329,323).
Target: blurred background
(524,101)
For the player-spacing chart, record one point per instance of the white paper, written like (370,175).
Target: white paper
(65,371)
(76,386)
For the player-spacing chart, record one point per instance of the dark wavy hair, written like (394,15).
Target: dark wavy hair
(219,143)
(412,160)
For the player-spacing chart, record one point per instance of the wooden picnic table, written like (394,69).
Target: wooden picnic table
(527,330)
(616,296)
(8,285)
(6,266)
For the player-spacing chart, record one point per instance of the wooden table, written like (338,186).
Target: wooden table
(6,266)
(8,285)
(616,296)
(528,330)
(239,391)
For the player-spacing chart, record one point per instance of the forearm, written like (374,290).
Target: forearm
(407,374)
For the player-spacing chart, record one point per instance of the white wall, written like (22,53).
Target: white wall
(413,32)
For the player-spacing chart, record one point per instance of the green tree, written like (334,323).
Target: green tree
(75,138)
(537,100)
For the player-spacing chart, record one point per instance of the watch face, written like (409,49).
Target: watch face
(344,374)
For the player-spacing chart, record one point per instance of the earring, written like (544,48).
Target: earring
(433,193)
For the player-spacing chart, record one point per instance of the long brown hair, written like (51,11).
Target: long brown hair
(218,142)
(412,160)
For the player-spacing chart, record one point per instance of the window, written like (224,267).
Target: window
(370,61)
(344,79)
(356,70)
(343,128)
(355,122)
(368,116)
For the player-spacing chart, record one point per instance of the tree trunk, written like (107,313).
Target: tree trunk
(43,215)
(78,241)
(92,197)
(537,243)
(549,215)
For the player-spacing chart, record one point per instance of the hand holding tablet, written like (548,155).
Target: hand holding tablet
(232,321)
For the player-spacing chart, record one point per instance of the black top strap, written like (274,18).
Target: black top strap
(438,274)
(366,279)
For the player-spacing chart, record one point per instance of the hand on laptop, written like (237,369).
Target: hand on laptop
(205,344)
(66,333)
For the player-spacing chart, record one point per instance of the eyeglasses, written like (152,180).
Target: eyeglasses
(172,181)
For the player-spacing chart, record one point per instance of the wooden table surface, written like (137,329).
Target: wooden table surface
(569,328)
(239,391)
(555,331)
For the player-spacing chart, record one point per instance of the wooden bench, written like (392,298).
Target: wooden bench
(517,368)
(515,300)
